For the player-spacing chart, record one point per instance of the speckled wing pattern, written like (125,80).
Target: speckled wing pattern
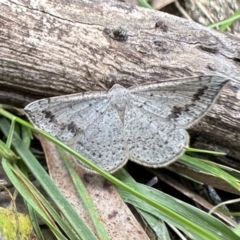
(145,124)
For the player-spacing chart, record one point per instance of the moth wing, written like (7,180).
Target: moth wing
(152,141)
(87,123)
(103,141)
(64,117)
(182,101)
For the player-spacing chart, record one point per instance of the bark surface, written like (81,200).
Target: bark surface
(60,47)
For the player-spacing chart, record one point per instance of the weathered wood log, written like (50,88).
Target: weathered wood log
(60,47)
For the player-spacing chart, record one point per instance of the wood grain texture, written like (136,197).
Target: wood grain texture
(59,47)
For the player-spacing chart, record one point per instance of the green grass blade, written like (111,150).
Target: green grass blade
(175,212)
(157,225)
(33,216)
(223,25)
(205,151)
(144,3)
(211,168)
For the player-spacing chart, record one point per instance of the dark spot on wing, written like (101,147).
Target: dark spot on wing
(49,115)
(72,128)
(144,103)
(199,93)
(176,111)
